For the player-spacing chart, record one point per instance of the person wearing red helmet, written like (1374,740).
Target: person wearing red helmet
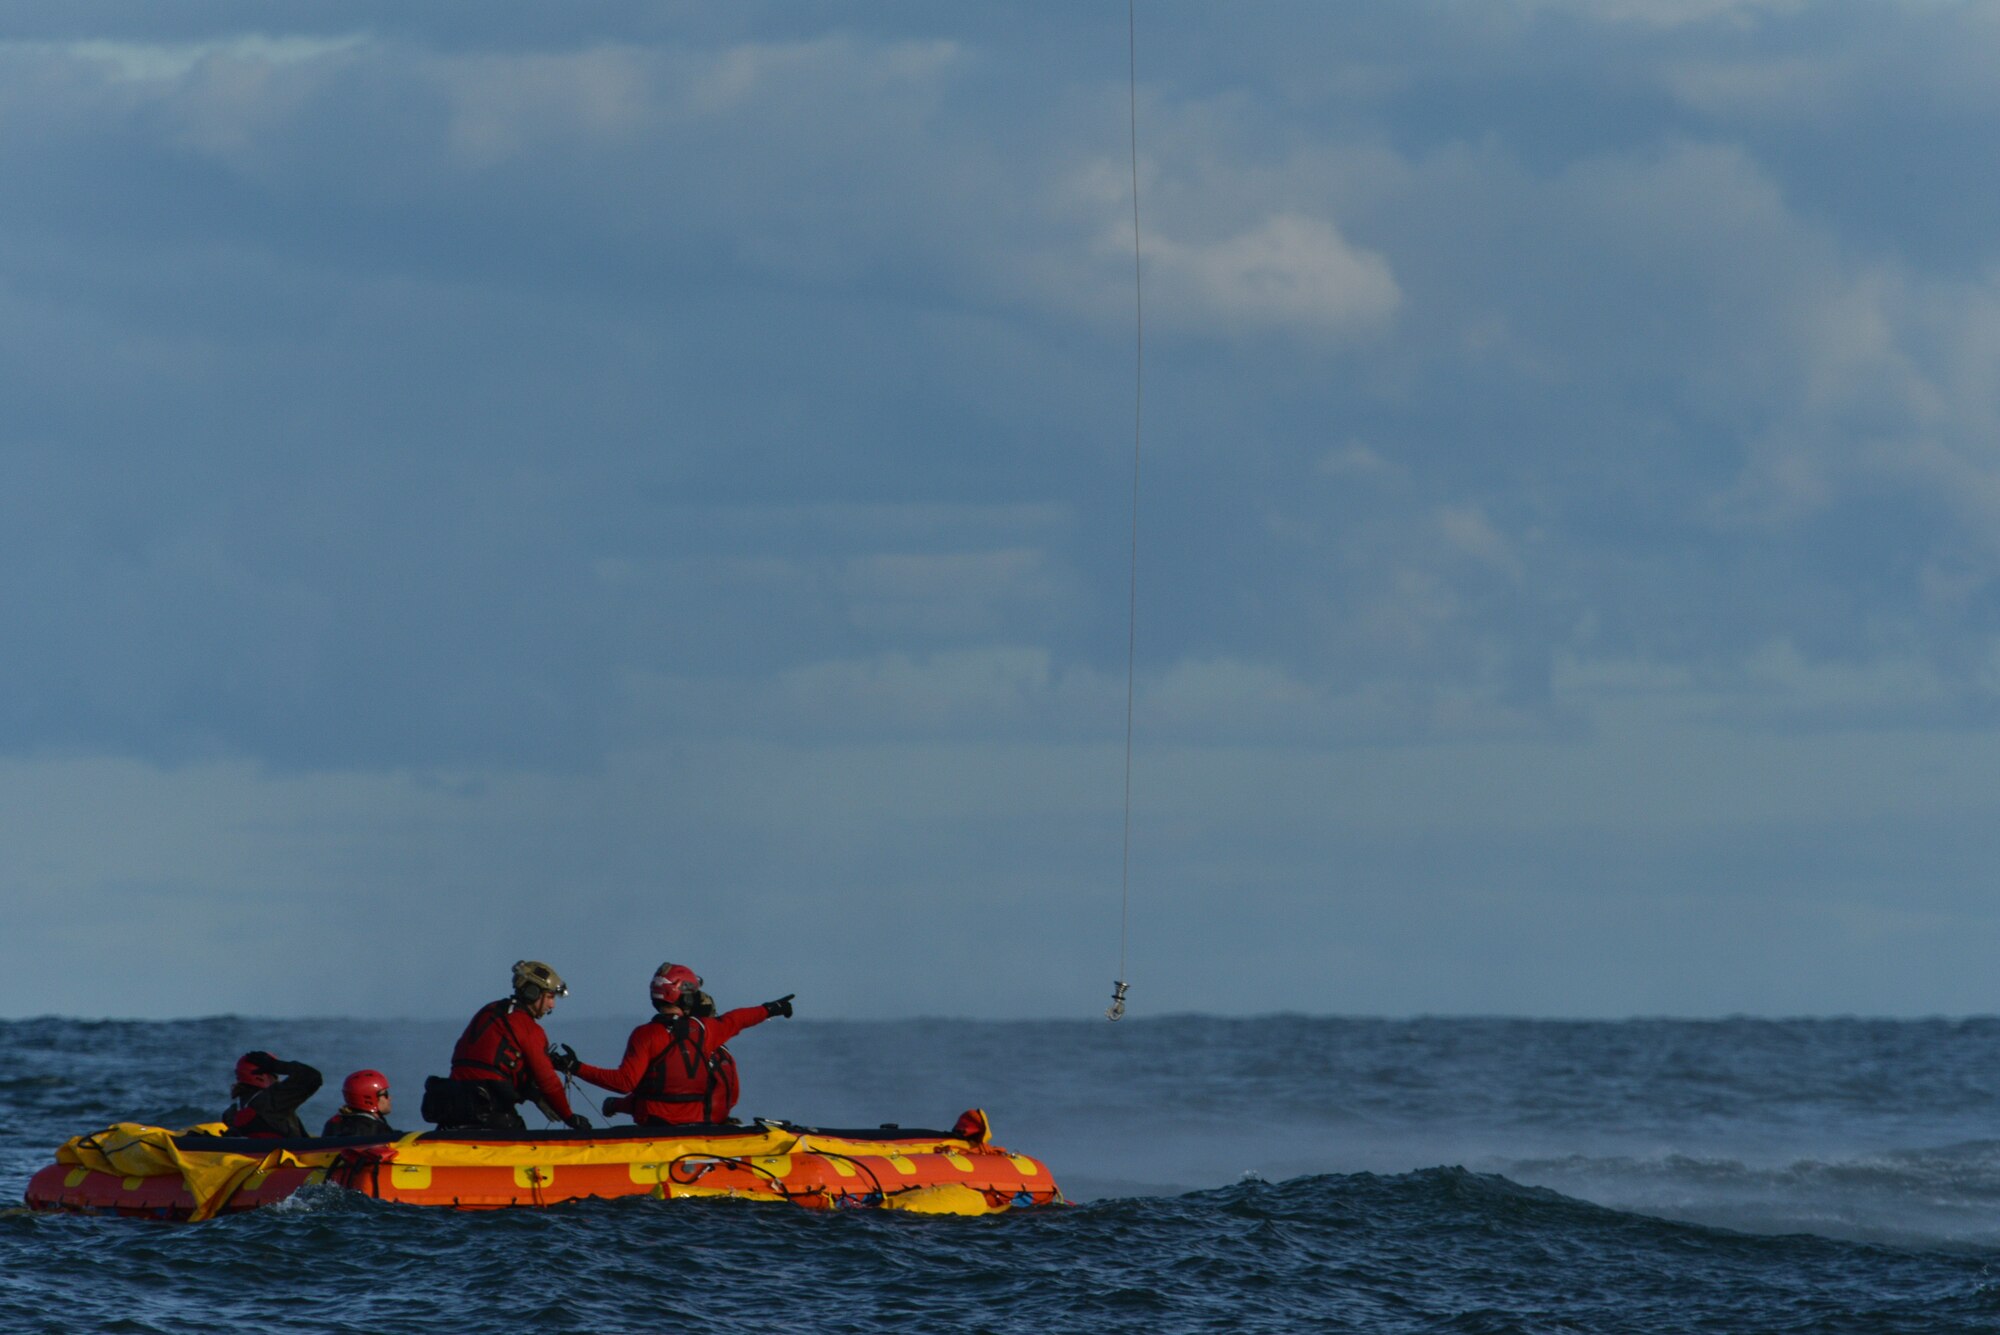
(676,1068)
(264,1102)
(502,1059)
(365,1110)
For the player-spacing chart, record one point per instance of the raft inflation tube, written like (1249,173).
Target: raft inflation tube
(149,1172)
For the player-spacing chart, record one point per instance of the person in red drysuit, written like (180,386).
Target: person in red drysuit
(676,1068)
(501,1059)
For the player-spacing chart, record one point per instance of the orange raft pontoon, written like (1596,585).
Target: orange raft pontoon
(150,1172)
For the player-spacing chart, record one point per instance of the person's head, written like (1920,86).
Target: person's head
(253,1072)
(674,988)
(366,1091)
(536,987)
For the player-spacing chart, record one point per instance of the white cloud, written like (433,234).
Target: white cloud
(1467,530)
(166,62)
(1790,87)
(743,74)
(1357,460)
(1922,58)
(1890,389)
(507,105)
(1666,14)
(1289,272)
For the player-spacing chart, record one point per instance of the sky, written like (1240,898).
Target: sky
(622,482)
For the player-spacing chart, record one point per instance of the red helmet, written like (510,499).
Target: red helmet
(253,1069)
(672,983)
(365,1090)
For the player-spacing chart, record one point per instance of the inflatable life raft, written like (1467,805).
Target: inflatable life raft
(149,1172)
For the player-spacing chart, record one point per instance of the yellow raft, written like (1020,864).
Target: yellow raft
(150,1172)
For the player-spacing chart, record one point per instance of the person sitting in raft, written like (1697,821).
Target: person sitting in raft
(676,1068)
(365,1111)
(501,1059)
(701,1007)
(264,1102)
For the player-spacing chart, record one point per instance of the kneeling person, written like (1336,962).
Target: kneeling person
(501,1059)
(676,1068)
(365,1111)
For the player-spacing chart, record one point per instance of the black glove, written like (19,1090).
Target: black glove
(578,1122)
(782,1006)
(563,1057)
(263,1063)
(703,1005)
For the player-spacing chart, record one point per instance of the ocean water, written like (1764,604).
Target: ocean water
(1282,1173)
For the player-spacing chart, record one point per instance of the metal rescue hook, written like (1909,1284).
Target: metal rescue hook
(1117,1010)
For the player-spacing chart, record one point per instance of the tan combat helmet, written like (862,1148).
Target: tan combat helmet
(533,976)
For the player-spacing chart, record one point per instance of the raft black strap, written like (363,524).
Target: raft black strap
(778,1183)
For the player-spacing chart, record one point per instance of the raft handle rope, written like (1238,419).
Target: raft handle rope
(1119,985)
(704,1163)
(707,1162)
(881,1192)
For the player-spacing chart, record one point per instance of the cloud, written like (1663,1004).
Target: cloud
(1290,272)
(168,62)
(1886,61)
(504,106)
(1792,87)
(1649,335)
(1669,14)
(617,451)
(1470,533)
(989,692)
(762,72)
(227,99)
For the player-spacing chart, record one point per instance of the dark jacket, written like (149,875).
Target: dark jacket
(273,1112)
(348,1122)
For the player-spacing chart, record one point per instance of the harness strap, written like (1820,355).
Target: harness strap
(652,1085)
(495,1013)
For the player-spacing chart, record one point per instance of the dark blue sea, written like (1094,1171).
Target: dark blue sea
(1274,1174)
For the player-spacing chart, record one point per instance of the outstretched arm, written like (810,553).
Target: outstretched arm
(624,1077)
(731,1023)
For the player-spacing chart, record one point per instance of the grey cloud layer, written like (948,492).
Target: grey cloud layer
(528,395)
(347,362)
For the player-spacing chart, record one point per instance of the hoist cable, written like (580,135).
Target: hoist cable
(1117,1007)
